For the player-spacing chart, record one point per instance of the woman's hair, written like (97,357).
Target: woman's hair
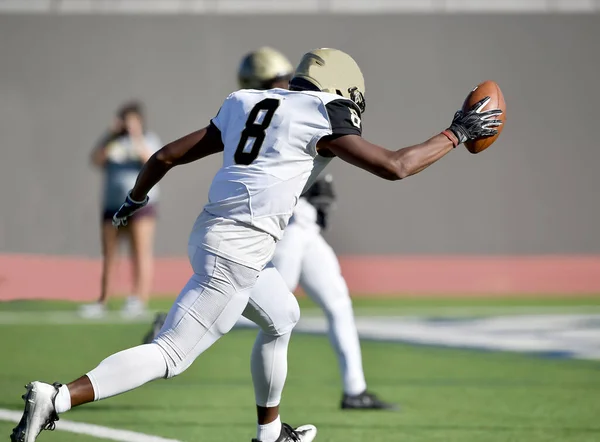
(134,107)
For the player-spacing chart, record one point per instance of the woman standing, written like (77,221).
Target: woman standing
(121,155)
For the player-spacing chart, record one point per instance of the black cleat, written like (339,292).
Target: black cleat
(159,320)
(365,401)
(304,433)
(39,414)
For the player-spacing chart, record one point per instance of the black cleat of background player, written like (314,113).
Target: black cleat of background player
(365,401)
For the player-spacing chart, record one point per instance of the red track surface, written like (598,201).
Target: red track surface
(45,277)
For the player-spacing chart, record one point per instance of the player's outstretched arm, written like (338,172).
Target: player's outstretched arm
(187,149)
(396,165)
(387,164)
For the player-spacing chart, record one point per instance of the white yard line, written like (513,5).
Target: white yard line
(70,317)
(559,331)
(569,336)
(462,311)
(91,430)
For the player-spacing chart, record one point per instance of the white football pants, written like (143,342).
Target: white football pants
(303,256)
(212,301)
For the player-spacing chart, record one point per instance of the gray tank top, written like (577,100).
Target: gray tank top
(122,168)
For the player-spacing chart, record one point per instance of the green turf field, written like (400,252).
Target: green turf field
(446,395)
(387,306)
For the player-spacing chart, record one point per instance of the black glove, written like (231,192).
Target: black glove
(128,208)
(475,123)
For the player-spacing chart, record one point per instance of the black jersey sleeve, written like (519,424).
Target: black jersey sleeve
(344,118)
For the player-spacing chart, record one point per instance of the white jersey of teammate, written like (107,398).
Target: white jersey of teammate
(270,156)
(305,215)
(304,258)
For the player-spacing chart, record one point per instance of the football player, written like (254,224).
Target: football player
(303,256)
(274,143)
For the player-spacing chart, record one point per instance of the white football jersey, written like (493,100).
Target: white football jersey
(270,154)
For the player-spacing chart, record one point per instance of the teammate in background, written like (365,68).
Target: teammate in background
(303,256)
(274,144)
(120,154)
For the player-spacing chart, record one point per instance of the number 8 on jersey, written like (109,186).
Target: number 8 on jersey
(253,135)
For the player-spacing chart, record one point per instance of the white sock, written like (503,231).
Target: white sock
(62,402)
(269,432)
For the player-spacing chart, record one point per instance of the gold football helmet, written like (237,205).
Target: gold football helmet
(261,68)
(333,71)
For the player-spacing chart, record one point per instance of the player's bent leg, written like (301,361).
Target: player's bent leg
(125,371)
(322,280)
(275,310)
(271,305)
(208,307)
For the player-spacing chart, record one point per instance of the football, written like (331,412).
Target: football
(486,89)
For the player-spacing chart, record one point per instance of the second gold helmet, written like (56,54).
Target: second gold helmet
(260,68)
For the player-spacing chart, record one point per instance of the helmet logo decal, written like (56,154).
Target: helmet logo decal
(358,98)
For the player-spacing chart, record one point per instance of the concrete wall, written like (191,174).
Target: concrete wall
(534,192)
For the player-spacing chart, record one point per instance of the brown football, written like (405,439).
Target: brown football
(486,89)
